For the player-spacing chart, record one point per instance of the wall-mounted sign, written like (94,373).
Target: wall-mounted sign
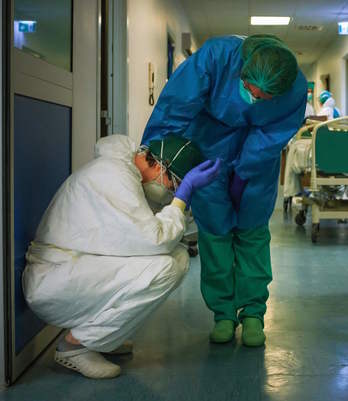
(26,26)
(343,28)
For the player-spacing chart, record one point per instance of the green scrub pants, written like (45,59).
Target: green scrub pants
(236,270)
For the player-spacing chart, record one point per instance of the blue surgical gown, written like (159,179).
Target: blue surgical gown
(201,101)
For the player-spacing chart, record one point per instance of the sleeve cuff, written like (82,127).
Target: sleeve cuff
(179,203)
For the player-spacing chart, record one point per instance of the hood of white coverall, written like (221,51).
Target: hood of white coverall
(119,147)
(330,102)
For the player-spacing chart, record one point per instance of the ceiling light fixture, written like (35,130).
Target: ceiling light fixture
(269,20)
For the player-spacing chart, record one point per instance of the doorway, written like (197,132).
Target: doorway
(170,55)
(114,68)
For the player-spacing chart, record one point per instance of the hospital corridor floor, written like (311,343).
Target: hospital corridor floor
(306,352)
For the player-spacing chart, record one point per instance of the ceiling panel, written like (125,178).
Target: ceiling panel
(320,9)
(271,7)
(231,26)
(222,9)
(273,30)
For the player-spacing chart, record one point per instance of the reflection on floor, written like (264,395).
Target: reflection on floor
(305,359)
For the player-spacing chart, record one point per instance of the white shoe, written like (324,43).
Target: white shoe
(125,348)
(89,363)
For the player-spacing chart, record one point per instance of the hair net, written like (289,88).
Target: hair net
(324,95)
(268,64)
(179,155)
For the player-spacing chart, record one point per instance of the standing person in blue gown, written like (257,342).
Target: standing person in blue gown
(239,99)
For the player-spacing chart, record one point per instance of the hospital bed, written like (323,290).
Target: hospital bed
(328,173)
(297,164)
(301,146)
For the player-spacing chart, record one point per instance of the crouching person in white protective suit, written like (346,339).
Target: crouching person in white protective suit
(102,261)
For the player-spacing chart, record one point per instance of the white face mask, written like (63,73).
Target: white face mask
(158,193)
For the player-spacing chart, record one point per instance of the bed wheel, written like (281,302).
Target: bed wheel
(300,218)
(315,232)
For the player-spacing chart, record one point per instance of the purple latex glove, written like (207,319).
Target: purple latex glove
(236,189)
(198,177)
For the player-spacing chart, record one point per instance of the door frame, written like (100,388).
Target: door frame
(5,267)
(49,83)
(45,82)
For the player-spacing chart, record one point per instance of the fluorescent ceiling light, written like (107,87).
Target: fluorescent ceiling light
(270,20)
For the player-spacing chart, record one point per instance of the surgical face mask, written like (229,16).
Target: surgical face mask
(246,95)
(158,193)
(310,97)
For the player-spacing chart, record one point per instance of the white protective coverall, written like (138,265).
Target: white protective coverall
(309,110)
(102,261)
(327,109)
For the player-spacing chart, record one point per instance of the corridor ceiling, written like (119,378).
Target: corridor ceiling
(312,28)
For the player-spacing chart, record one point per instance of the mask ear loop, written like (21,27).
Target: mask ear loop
(178,152)
(175,184)
(174,158)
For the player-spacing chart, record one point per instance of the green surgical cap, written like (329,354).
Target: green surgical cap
(179,155)
(268,64)
(324,95)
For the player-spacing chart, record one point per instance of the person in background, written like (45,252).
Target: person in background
(309,108)
(101,261)
(239,99)
(328,108)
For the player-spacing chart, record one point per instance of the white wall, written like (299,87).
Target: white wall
(309,70)
(148,22)
(333,62)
